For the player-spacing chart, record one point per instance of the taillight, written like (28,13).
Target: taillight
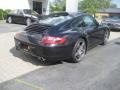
(53,40)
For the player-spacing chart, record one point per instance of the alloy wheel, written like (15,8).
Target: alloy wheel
(9,20)
(79,51)
(106,36)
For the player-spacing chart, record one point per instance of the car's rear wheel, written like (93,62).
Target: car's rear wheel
(9,19)
(79,51)
(28,21)
(106,37)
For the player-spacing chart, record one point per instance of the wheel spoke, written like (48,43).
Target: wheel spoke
(106,36)
(80,50)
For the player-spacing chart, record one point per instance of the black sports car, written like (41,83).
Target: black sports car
(23,16)
(62,36)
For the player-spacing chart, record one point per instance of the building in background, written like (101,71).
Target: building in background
(40,6)
(72,5)
(110,12)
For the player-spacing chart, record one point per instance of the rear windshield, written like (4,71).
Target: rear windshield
(55,20)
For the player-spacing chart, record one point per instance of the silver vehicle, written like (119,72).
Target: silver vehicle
(112,22)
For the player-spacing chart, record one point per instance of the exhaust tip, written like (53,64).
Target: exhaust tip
(42,59)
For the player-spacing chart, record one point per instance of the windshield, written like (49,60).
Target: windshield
(55,20)
(31,12)
(113,17)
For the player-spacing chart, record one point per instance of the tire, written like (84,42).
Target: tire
(79,51)
(106,37)
(28,21)
(9,20)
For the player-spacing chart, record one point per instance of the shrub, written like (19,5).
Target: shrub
(8,10)
(3,13)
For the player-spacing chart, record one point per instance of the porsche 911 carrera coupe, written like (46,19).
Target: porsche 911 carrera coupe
(62,36)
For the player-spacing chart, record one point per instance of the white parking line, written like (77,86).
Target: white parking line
(35,87)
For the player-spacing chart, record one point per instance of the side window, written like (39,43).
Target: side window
(19,12)
(88,21)
(14,12)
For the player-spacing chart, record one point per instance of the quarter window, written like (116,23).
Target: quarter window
(76,22)
(19,12)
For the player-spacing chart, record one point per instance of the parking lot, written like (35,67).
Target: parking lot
(13,63)
(100,69)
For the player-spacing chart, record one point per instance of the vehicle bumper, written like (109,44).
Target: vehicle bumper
(48,53)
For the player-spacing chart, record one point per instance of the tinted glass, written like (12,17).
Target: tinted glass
(114,17)
(58,14)
(88,21)
(19,12)
(13,12)
(55,20)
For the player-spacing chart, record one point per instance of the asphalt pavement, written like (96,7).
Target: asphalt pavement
(100,70)
(7,28)
(12,62)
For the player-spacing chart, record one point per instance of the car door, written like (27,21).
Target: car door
(20,16)
(13,15)
(92,29)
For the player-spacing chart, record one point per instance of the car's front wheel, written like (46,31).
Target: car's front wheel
(79,51)
(9,19)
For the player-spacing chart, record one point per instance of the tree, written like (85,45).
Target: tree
(92,6)
(58,5)
(3,14)
(113,6)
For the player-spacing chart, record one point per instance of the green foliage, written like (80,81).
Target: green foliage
(3,13)
(57,5)
(92,6)
(7,10)
(113,6)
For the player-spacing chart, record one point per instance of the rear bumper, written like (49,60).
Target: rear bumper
(50,53)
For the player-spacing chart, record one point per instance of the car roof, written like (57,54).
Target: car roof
(21,9)
(73,14)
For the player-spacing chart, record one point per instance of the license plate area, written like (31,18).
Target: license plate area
(25,47)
